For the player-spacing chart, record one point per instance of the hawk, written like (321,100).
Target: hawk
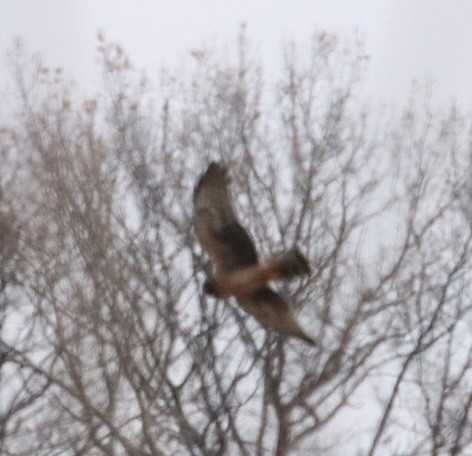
(237,269)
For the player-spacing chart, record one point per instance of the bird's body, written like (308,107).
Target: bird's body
(237,270)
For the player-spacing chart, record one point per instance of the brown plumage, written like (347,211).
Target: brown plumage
(237,270)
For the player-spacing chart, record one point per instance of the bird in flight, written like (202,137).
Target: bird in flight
(237,269)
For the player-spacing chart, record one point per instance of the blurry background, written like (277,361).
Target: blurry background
(108,344)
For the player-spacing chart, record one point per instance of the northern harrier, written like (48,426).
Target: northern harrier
(237,270)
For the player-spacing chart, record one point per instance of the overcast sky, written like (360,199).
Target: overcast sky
(406,39)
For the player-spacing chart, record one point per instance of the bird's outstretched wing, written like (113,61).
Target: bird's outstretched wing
(216,226)
(238,271)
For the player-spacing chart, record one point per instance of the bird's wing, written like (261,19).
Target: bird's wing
(216,226)
(273,312)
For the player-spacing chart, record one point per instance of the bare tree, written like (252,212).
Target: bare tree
(113,348)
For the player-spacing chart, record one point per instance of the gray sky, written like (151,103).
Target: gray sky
(406,39)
